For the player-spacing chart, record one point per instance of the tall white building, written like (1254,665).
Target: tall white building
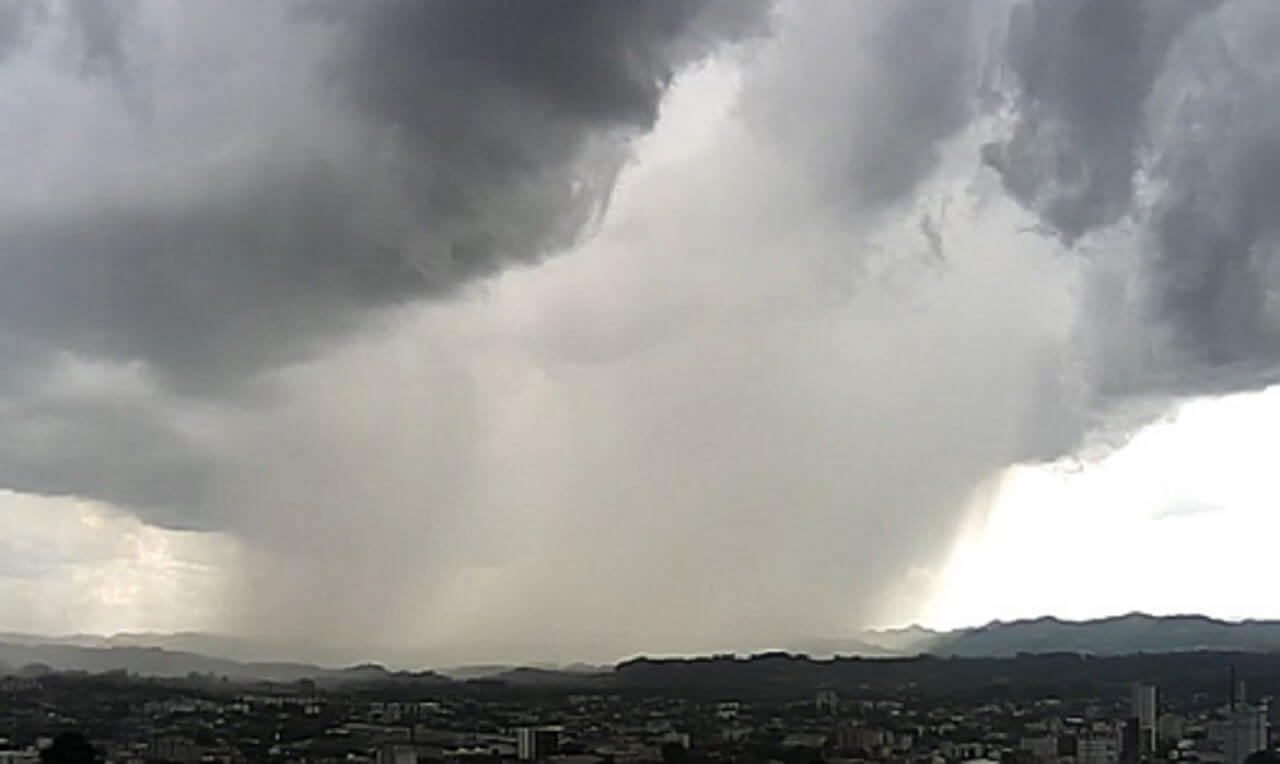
(1142,708)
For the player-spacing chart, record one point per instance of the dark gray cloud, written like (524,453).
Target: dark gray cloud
(15,15)
(108,450)
(1215,275)
(206,289)
(575,64)
(99,24)
(474,136)
(105,433)
(496,105)
(214,192)
(1110,96)
(1081,71)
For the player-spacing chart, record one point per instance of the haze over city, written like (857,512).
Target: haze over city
(571,331)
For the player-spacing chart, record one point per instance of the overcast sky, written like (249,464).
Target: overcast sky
(574,330)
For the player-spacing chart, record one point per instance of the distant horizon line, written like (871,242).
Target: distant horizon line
(916,625)
(408,657)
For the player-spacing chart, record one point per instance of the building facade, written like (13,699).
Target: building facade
(537,743)
(1245,731)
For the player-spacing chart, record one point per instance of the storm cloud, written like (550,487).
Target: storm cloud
(1081,72)
(1155,114)
(204,194)
(299,163)
(566,330)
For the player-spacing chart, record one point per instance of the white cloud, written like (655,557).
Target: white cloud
(68,565)
(1181,519)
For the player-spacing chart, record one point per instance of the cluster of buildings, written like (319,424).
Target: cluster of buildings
(1227,734)
(138,722)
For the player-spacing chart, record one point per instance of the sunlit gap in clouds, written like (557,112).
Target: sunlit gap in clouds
(69,565)
(1180,519)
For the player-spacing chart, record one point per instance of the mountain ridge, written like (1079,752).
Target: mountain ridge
(246,658)
(1129,633)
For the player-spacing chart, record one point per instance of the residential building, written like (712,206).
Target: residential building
(1245,731)
(1097,748)
(537,743)
(396,754)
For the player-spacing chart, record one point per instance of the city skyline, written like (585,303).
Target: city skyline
(656,711)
